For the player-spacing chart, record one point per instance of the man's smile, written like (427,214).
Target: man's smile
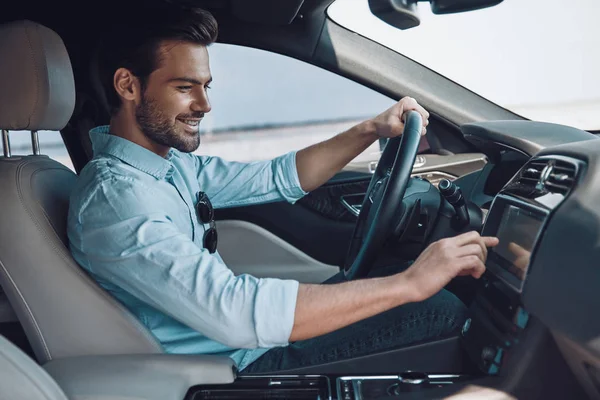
(193,122)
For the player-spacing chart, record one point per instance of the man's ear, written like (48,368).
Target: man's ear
(127,85)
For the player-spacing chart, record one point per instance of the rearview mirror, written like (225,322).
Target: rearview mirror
(403,14)
(456,6)
(398,13)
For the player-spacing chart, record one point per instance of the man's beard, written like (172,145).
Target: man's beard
(159,128)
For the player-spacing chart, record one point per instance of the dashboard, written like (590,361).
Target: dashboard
(521,210)
(545,269)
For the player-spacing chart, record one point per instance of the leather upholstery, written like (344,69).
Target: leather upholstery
(38,90)
(21,378)
(118,377)
(63,312)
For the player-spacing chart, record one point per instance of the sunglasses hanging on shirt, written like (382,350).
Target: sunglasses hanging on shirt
(206,215)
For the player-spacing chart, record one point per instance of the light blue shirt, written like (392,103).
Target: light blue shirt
(133,226)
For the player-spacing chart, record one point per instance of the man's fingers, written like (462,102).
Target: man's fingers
(490,241)
(471,265)
(410,104)
(475,237)
(423,113)
(466,238)
(470,250)
(465,272)
(485,242)
(473,243)
(478,271)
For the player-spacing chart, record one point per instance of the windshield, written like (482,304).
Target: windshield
(537,58)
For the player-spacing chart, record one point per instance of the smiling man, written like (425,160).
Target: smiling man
(141,220)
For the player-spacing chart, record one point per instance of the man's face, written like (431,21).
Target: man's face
(175,98)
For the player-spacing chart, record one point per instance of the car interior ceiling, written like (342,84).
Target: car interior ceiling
(548,359)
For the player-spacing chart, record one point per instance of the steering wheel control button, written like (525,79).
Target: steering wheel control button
(375,190)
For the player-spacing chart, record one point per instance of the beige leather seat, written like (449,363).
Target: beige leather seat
(113,377)
(21,378)
(63,312)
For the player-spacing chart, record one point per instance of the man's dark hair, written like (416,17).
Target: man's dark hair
(135,45)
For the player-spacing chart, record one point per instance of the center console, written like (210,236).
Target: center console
(386,386)
(517,217)
(321,387)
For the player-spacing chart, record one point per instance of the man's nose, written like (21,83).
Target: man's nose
(201,103)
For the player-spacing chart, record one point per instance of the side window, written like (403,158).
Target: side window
(266,104)
(51,144)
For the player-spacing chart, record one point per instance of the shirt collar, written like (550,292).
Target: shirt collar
(130,153)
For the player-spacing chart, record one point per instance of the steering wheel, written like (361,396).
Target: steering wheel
(379,212)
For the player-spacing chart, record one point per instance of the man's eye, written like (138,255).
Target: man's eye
(184,88)
(206,87)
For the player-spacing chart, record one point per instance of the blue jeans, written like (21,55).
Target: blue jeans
(437,317)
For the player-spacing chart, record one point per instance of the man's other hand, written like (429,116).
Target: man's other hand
(444,260)
(390,123)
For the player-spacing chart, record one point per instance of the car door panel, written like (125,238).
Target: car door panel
(332,200)
(323,239)
(251,249)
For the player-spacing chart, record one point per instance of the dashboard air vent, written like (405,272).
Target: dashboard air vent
(531,174)
(561,177)
(546,175)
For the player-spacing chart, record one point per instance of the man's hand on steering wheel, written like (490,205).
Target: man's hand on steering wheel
(444,260)
(390,123)
(403,124)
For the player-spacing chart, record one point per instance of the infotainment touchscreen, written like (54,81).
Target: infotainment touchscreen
(517,231)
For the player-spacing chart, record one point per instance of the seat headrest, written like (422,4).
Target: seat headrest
(38,88)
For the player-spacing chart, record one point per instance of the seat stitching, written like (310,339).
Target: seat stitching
(35,325)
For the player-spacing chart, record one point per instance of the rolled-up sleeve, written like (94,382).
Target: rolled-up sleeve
(129,244)
(234,184)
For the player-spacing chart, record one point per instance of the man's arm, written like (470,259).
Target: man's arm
(321,309)
(238,184)
(316,164)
